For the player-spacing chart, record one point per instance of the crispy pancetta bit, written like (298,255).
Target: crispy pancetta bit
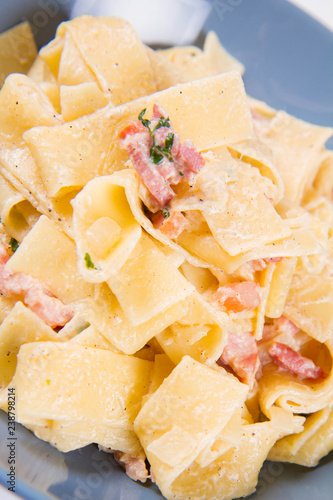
(239,296)
(170,223)
(288,359)
(158,157)
(36,295)
(241,355)
(135,467)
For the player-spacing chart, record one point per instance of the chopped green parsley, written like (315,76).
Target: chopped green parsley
(89,262)
(169,142)
(165,212)
(13,244)
(144,121)
(162,122)
(158,153)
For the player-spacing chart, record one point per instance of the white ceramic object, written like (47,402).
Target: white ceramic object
(163,22)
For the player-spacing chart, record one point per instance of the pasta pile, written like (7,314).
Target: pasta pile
(166,262)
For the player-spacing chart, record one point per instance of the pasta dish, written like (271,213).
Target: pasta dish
(166,261)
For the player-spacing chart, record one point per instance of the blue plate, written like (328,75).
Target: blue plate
(288,58)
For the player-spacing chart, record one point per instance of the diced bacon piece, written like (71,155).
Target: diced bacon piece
(10,283)
(171,226)
(279,325)
(260,264)
(241,354)
(285,325)
(190,158)
(135,467)
(160,164)
(137,141)
(257,265)
(158,112)
(151,177)
(47,307)
(240,296)
(36,295)
(157,219)
(132,129)
(160,135)
(169,172)
(14,283)
(290,360)
(4,255)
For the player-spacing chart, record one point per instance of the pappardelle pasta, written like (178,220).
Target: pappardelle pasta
(166,262)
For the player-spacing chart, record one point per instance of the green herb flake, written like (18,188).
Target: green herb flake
(144,121)
(156,155)
(89,262)
(169,142)
(13,244)
(165,212)
(162,122)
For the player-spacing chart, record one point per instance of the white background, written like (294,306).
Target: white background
(322,10)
